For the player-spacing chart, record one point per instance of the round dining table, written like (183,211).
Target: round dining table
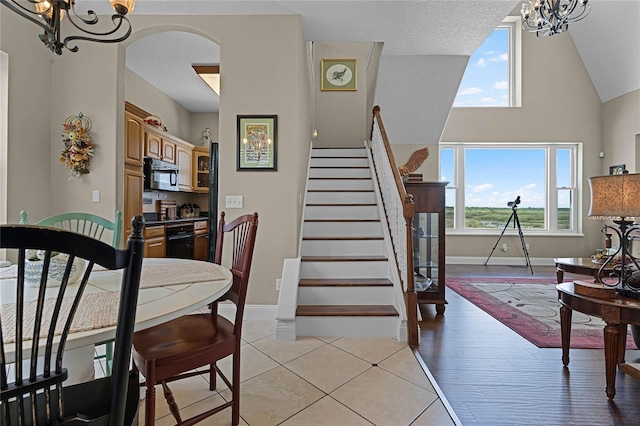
(169,288)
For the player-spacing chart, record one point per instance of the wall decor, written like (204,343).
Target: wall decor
(257,142)
(339,74)
(617,170)
(78,148)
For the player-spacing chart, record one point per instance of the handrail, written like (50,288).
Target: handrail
(400,209)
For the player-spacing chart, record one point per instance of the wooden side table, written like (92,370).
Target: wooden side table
(578,265)
(616,313)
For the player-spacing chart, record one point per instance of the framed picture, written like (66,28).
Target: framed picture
(339,74)
(257,142)
(617,170)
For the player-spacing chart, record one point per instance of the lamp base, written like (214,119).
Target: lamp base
(627,292)
(597,290)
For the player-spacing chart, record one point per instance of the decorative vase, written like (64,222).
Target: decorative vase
(33,271)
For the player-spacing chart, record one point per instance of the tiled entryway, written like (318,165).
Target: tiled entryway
(316,381)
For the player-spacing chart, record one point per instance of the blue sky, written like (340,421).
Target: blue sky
(486,79)
(493,177)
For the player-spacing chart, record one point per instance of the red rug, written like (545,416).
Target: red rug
(530,307)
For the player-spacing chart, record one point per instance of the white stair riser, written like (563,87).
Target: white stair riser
(353,269)
(347,326)
(342,152)
(341,197)
(339,173)
(342,247)
(342,229)
(345,295)
(340,162)
(360,184)
(341,212)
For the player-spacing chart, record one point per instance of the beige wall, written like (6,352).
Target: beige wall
(621,129)
(559,104)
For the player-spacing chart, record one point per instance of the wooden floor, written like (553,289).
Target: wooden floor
(492,376)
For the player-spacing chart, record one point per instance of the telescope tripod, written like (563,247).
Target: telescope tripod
(516,222)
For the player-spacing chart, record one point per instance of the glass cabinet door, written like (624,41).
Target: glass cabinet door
(425,251)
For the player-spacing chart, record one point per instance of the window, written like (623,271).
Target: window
(492,77)
(484,179)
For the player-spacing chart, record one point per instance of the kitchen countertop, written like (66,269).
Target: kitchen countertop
(171,221)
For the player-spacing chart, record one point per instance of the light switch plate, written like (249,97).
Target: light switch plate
(234,201)
(96,195)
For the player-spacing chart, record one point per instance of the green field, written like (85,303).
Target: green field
(497,217)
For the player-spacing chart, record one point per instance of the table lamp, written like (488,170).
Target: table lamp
(617,198)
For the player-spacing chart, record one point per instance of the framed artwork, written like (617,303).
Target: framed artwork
(257,142)
(617,170)
(339,74)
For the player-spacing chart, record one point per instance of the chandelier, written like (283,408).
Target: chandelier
(48,14)
(550,17)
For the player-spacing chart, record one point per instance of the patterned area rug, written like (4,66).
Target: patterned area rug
(530,307)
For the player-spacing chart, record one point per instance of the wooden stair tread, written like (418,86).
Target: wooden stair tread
(345,282)
(341,238)
(347,310)
(366,258)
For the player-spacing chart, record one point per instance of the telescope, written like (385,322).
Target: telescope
(513,204)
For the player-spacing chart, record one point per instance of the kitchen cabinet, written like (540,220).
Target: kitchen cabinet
(184,162)
(154,241)
(133,140)
(133,182)
(158,146)
(429,242)
(201,240)
(200,178)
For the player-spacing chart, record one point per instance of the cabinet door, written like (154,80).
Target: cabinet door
(201,247)
(152,145)
(168,151)
(133,180)
(155,248)
(183,155)
(133,140)
(200,180)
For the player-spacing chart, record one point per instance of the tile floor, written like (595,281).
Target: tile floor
(316,381)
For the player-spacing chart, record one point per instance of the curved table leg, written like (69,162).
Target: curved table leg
(611,347)
(559,275)
(565,332)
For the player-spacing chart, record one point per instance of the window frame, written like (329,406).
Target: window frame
(551,188)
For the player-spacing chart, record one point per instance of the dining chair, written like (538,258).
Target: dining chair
(37,394)
(173,350)
(93,226)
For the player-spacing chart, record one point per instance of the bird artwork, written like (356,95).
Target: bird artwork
(338,75)
(415,161)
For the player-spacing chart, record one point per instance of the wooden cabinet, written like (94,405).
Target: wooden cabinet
(184,162)
(133,139)
(429,242)
(201,240)
(157,146)
(133,181)
(154,241)
(200,179)
(168,151)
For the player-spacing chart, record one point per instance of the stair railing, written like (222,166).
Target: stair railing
(400,209)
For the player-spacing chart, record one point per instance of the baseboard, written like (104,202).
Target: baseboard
(509,261)
(251,312)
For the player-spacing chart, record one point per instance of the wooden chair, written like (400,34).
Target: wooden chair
(95,227)
(37,395)
(173,350)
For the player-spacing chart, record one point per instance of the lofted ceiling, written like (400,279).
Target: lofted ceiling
(611,53)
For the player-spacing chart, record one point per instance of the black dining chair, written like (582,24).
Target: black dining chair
(38,395)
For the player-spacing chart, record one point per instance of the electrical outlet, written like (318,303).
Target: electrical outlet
(504,247)
(234,201)
(278,283)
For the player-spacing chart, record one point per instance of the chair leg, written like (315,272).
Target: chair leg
(150,405)
(109,356)
(235,391)
(212,377)
(173,406)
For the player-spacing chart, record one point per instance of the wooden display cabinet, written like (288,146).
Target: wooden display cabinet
(200,169)
(429,242)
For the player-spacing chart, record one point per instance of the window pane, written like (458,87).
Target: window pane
(447,166)
(563,168)
(449,208)
(564,209)
(494,177)
(486,79)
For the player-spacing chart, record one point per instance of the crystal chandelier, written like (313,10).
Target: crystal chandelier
(550,17)
(48,14)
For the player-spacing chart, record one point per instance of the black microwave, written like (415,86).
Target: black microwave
(160,175)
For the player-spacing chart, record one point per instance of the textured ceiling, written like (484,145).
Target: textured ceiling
(611,53)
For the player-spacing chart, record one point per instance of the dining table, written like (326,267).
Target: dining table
(169,288)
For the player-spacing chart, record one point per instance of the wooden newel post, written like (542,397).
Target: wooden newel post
(411,298)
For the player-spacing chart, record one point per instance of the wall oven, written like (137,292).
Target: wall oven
(160,175)
(180,240)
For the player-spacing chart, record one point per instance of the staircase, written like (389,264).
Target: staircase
(343,281)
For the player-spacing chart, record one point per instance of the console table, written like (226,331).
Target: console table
(578,265)
(616,313)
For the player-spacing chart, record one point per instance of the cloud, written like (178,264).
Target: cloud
(481,62)
(470,91)
(489,101)
(482,187)
(501,85)
(504,57)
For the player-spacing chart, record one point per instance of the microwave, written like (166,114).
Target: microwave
(160,175)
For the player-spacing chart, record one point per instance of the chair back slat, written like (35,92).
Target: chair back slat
(43,324)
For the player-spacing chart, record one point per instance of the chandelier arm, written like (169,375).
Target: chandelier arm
(118,25)
(93,17)
(20,10)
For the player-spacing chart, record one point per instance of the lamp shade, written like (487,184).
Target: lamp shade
(615,196)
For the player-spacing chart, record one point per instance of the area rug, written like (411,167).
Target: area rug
(530,307)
